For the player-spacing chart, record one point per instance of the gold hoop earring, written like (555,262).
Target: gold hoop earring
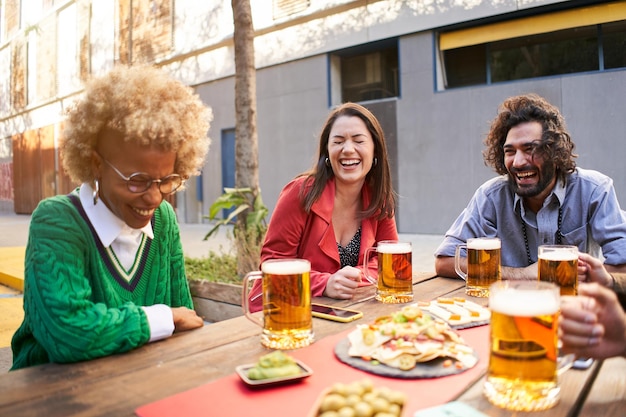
(96,191)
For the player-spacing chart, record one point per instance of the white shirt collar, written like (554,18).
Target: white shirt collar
(106,224)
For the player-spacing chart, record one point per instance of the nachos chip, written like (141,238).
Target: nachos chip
(408,337)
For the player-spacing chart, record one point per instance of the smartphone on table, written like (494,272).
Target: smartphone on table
(582,363)
(343,315)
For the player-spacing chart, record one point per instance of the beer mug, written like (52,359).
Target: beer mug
(483,264)
(395,271)
(559,264)
(287,322)
(524,364)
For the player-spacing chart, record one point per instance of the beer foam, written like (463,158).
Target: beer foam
(484,244)
(523,303)
(559,255)
(400,247)
(293,266)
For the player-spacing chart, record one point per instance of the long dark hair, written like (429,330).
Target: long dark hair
(556,144)
(378,179)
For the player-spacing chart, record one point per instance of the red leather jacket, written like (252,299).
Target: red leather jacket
(292,233)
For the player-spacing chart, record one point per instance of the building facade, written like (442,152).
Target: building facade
(434,73)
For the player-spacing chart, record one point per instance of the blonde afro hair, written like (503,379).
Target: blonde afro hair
(148,107)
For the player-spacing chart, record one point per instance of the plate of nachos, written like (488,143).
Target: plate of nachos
(409,344)
(458,312)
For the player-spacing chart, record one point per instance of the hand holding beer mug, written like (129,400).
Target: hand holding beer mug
(395,271)
(524,364)
(483,264)
(559,264)
(287,322)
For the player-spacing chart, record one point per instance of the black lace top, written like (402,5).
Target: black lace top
(350,254)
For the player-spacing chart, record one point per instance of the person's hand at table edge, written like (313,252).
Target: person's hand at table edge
(185,319)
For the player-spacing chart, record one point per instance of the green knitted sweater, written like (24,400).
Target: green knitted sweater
(77,306)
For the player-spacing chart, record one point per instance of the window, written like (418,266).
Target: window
(10,18)
(572,41)
(5,81)
(614,44)
(368,72)
(31,72)
(18,75)
(145,30)
(465,66)
(562,52)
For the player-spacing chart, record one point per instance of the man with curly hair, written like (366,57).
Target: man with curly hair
(104,270)
(540,197)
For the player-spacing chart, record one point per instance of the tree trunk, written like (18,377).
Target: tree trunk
(246,146)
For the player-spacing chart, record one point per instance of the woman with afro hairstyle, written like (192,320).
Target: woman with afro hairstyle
(104,269)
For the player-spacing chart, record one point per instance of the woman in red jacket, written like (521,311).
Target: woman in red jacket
(331,214)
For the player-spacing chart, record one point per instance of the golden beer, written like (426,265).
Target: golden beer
(559,264)
(483,265)
(522,373)
(395,272)
(287,321)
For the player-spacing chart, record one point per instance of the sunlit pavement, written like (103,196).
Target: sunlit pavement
(11,287)
(12,314)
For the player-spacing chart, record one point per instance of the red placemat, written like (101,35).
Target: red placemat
(231,394)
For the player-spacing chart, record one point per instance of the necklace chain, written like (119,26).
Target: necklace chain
(558,234)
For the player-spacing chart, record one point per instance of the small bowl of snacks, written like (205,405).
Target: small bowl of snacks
(358,398)
(272,369)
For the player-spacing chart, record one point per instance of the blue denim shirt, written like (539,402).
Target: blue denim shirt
(591,219)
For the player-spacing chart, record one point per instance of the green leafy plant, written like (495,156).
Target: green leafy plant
(242,199)
(249,234)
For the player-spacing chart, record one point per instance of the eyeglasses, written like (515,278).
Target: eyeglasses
(140,182)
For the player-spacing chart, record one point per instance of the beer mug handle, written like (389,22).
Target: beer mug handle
(250,276)
(457,261)
(366,257)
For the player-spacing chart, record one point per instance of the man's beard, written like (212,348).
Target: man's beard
(546,173)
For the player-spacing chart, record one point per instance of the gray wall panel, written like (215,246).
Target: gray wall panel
(220,97)
(595,112)
(439,134)
(292,106)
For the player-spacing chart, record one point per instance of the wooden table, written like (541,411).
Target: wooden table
(117,385)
